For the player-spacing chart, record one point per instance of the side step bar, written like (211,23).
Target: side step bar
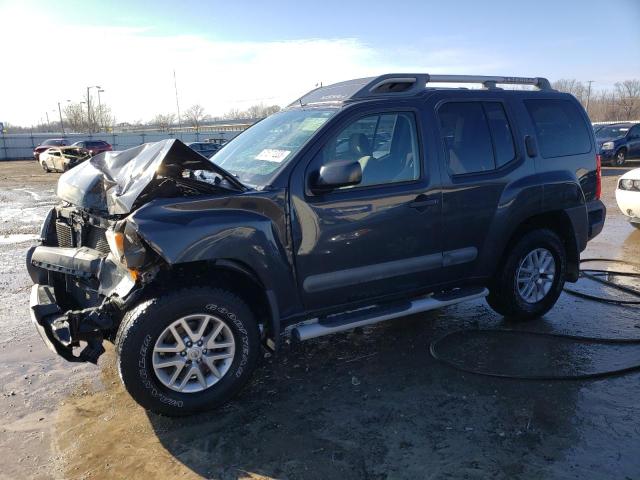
(376,314)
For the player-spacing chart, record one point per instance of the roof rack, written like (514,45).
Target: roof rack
(406,84)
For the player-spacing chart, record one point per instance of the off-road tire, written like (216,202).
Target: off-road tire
(504,297)
(143,324)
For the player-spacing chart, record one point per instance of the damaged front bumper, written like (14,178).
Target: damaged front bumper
(107,287)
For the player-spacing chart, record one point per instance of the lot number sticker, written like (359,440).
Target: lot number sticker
(273,155)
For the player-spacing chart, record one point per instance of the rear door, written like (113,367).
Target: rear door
(381,237)
(478,155)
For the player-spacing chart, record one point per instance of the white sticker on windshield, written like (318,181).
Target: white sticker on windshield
(273,155)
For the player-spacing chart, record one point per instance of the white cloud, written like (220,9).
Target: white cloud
(46,60)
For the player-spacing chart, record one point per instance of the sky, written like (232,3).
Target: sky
(233,54)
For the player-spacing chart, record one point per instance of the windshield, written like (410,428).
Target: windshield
(258,153)
(612,132)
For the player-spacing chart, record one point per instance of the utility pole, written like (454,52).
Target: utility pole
(47,114)
(589,95)
(175,85)
(88,111)
(89,107)
(60,112)
(100,109)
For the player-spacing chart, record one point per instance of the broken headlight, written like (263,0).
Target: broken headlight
(125,245)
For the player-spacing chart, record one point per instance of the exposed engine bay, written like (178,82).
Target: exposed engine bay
(92,264)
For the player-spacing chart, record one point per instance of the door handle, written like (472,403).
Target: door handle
(422,201)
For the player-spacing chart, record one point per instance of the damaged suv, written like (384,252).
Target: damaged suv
(362,201)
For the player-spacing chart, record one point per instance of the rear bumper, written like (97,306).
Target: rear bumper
(597,213)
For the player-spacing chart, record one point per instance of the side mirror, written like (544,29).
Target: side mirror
(336,175)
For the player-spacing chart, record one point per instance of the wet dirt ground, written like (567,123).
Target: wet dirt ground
(368,404)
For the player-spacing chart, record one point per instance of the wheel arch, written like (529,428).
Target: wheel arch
(560,222)
(232,275)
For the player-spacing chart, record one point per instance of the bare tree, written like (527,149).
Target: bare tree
(572,86)
(163,120)
(76,117)
(253,112)
(628,93)
(233,114)
(194,115)
(102,117)
(261,111)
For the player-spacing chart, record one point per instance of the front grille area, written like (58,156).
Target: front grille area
(92,237)
(64,234)
(95,238)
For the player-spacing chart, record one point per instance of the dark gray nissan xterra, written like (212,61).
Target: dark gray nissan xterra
(362,201)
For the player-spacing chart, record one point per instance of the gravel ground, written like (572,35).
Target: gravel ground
(365,404)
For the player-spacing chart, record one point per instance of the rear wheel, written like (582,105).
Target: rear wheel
(620,158)
(187,351)
(531,277)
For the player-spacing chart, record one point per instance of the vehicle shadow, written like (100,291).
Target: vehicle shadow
(375,404)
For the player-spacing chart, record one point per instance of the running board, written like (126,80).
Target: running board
(375,314)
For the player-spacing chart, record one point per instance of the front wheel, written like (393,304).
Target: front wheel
(187,351)
(531,277)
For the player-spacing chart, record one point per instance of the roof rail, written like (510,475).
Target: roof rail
(412,83)
(406,84)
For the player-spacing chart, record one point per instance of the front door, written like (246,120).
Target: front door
(633,142)
(377,238)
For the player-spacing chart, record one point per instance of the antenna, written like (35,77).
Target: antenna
(175,85)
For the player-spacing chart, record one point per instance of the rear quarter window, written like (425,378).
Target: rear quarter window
(560,128)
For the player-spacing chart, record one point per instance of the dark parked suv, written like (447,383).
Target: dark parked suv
(362,201)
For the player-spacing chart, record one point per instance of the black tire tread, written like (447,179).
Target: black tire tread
(134,321)
(502,297)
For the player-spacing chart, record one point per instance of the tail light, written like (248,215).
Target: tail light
(598,177)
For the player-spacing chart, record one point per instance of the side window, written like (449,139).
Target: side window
(465,134)
(385,145)
(634,134)
(500,133)
(560,128)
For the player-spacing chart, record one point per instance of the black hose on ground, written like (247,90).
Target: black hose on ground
(592,274)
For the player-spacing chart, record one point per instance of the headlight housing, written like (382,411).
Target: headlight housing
(125,245)
(629,184)
(608,146)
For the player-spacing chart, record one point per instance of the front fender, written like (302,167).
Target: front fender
(192,231)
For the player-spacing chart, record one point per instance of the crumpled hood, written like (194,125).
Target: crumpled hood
(111,182)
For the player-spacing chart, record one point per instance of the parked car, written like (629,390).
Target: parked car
(362,201)
(204,148)
(52,142)
(628,196)
(94,146)
(618,143)
(61,159)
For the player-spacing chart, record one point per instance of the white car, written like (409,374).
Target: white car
(61,159)
(628,196)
